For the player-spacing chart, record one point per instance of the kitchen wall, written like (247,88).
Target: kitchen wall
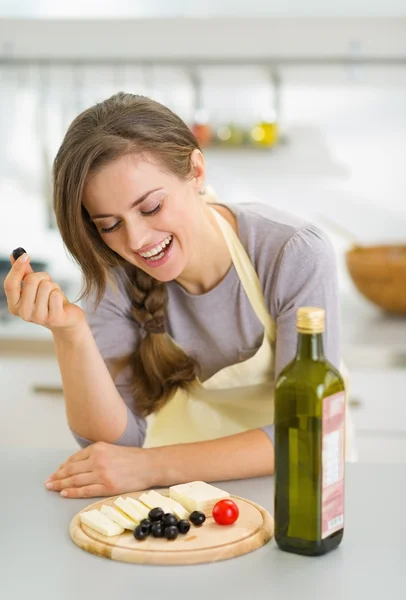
(342,156)
(341,107)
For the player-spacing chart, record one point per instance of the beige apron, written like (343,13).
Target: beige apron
(235,399)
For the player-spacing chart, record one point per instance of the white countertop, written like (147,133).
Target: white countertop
(40,559)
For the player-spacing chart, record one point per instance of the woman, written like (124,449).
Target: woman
(189,307)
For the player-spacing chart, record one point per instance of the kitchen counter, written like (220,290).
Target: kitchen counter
(38,558)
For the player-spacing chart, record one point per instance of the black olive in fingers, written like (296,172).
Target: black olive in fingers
(18,252)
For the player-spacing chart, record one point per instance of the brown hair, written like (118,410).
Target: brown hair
(121,125)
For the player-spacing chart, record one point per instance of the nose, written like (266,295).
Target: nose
(138,234)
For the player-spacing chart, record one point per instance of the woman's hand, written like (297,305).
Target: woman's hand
(39,300)
(102,470)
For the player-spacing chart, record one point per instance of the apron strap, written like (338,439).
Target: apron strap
(247,274)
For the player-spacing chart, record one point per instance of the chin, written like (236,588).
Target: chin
(164,273)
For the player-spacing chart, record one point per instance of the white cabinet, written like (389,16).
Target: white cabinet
(378,450)
(378,407)
(32,405)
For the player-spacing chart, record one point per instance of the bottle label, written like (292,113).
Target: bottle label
(333,464)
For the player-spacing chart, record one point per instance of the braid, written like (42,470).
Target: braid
(149,297)
(159,366)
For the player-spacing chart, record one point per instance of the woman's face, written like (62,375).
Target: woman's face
(145,214)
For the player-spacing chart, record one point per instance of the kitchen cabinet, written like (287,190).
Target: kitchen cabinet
(379,414)
(32,405)
(378,400)
(380,450)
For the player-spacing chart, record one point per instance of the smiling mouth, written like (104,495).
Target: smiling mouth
(159,251)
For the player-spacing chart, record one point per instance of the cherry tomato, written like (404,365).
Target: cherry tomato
(225,512)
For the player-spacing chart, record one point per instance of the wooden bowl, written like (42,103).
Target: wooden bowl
(379,273)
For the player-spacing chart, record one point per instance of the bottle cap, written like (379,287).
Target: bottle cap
(310,319)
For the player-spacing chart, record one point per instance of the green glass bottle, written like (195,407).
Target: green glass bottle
(309,445)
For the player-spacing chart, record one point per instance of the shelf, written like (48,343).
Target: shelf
(212,41)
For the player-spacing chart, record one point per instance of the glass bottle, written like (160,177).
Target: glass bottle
(309,445)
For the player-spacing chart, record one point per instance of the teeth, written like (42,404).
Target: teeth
(157,257)
(156,250)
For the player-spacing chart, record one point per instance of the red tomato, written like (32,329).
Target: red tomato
(225,512)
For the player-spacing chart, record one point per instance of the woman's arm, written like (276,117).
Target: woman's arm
(106,469)
(94,408)
(100,409)
(248,454)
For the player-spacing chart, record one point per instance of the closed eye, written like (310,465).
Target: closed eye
(149,213)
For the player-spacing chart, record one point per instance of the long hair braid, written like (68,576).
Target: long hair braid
(159,365)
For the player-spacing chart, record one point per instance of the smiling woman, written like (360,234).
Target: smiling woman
(153,232)
(189,306)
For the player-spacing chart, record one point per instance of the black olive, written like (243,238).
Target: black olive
(140,533)
(156,514)
(183,526)
(197,518)
(146,525)
(169,519)
(18,252)
(157,529)
(171,532)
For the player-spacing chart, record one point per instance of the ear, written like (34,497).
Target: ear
(198,169)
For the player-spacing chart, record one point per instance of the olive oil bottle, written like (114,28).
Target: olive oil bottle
(309,445)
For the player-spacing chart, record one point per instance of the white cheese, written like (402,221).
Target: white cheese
(178,509)
(131,508)
(142,509)
(197,495)
(119,517)
(154,500)
(101,523)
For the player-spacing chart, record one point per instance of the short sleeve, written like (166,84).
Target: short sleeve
(307,276)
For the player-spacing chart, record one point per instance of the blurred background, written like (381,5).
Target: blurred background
(301,105)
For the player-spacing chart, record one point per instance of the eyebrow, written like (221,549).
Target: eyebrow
(135,203)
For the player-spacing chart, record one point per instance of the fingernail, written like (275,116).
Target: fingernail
(18,252)
(64,493)
(23,258)
(49,485)
(46,480)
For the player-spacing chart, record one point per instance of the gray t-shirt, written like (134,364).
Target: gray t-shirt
(296,265)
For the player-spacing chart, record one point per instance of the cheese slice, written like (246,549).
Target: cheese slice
(119,517)
(143,510)
(179,510)
(101,523)
(197,495)
(131,509)
(153,499)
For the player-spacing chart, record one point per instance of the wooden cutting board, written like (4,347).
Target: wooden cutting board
(209,543)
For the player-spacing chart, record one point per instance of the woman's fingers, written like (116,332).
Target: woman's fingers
(37,299)
(70,469)
(87,491)
(55,307)
(28,305)
(74,481)
(12,282)
(79,456)
(40,314)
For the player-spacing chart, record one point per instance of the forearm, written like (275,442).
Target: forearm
(94,408)
(248,454)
